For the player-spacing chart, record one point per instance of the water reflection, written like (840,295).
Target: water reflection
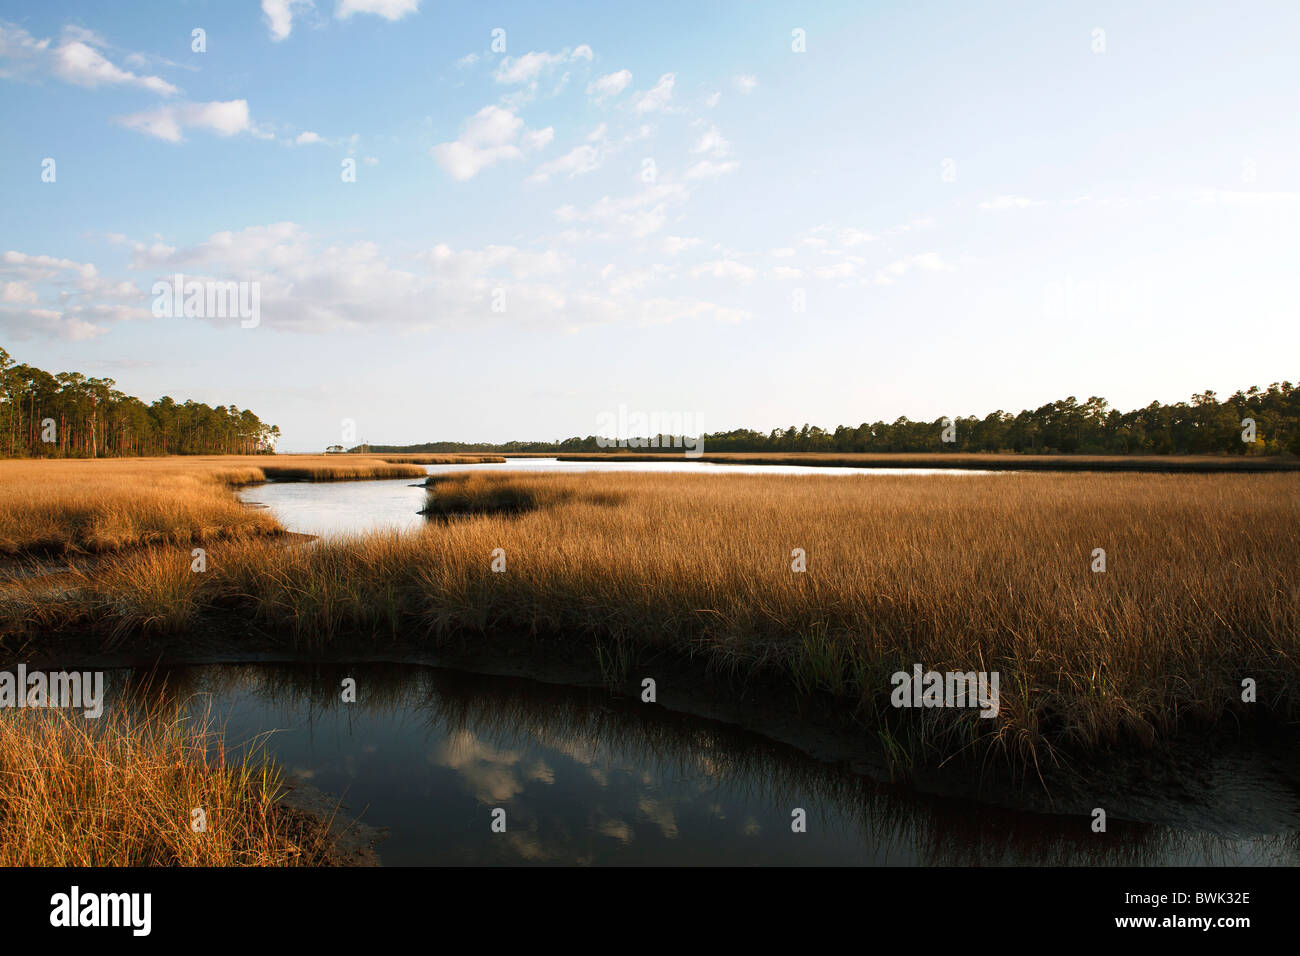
(588,778)
(349,507)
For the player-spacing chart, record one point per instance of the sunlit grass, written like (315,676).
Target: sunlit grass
(955,572)
(97,506)
(995,461)
(122,790)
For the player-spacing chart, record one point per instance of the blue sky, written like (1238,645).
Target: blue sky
(932,209)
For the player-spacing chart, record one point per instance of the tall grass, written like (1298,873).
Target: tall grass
(992,461)
(121,791)
(955,572)
(59,507)
(465,493)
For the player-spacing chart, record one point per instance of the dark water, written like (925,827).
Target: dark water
(589,778)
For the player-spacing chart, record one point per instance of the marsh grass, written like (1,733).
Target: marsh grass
(992,461)
(108,505)
(120,791)
(955,572)
(467,493)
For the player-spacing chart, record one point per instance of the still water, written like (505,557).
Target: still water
(585,777)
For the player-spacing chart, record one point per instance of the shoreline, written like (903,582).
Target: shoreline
(1180,780)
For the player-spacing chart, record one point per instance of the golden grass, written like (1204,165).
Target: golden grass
(466,493)
(1007,461)
(955,572)
(120,791)
(111,504)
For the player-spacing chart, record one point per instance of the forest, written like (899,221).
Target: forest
(67,415)
(1205,425)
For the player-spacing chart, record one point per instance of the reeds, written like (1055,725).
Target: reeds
(467,493)
(61,507)
(123,790)
(991,461)
(955,572)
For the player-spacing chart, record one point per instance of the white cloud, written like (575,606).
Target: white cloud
(1022,202)
(469,59)
(628,281)
(519,264)
(712,100)
(663,311)
(526,68)
(169,122)
(924,222)
(77,292)
(21,323)
(712,142)
(925,261)
(840,270)
(535,139)
(78,59)
(675,245)
(611,84)
(489,136)
(656,98)
(745,83)
(20,52)
(18,291)
(308,138)
(725,269)
(579,160)
(707,169)
(388,9)
(854,237)
(784,272)
(279,16)
(147,255)
(637,215)
(41,268)
(310,286)
(1008,202)
(79,63)
(313,286)
(306,285)
(1247,197)
(271,245)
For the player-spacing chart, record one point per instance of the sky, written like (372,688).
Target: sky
(495,221)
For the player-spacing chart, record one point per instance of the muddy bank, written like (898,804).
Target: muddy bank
(351,842)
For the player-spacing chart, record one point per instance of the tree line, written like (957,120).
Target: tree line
(68,415)
(1204,425)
